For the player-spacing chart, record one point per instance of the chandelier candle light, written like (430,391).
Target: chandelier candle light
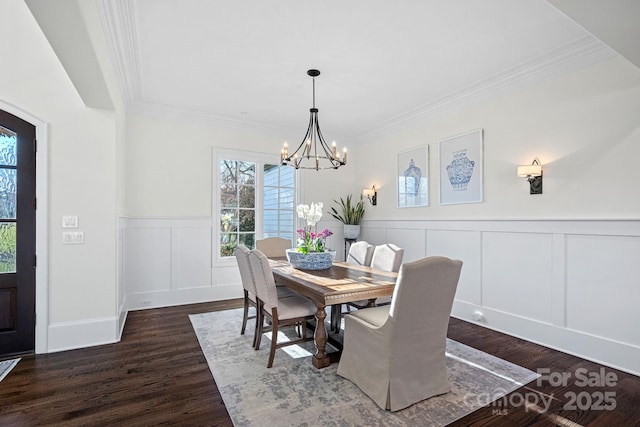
(313,150)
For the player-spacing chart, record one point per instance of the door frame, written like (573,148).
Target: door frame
(42,225)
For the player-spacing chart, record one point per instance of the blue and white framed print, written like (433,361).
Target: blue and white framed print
(461,168)
(413,177)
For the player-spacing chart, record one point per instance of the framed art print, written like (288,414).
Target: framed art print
(461,168)
(413,177)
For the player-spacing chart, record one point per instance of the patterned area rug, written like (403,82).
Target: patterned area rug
(7,365)
(294,393)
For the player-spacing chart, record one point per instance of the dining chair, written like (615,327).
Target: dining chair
(387,257)
(280,312)
(360,253)
(249,287)
(386,355)
(273,246)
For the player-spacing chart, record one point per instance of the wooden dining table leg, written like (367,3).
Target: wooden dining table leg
(320,359)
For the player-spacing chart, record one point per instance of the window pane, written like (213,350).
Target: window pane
(228,195)
(247,220)
(270,198)
(229,220)
(247,197)
(8,186)
(228,244)
(228,173)
(7,248)
(248,240)
(287,198)
(246,173)
(287,176)
(271,175)
(8,141)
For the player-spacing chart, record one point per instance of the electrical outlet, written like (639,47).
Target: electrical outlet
(145,303)
(72,237)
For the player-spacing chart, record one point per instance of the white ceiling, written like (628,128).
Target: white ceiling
(382,63)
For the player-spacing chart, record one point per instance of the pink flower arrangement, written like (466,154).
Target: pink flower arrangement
(310,241)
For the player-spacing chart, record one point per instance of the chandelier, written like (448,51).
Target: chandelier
(313,152)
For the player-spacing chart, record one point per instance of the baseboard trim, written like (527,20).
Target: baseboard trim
(168,298)
(87,333)
(617,355)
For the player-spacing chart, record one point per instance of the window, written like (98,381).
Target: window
(279,201)
(255,198)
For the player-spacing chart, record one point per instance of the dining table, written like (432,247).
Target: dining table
(341,283)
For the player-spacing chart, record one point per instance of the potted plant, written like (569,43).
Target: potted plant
(350,214)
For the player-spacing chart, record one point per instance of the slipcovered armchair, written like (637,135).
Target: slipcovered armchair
(396,353)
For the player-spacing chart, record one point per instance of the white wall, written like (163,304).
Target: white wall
(81,181)
(583,127)
(535,266)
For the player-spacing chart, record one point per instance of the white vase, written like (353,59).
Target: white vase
(351,231)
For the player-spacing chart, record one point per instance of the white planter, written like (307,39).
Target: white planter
(351,231)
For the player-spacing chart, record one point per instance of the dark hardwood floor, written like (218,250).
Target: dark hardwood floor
(157,375)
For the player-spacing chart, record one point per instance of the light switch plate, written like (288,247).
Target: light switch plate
(70,221)
(72,237)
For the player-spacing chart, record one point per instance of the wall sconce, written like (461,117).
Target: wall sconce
(533,174)
(371,194)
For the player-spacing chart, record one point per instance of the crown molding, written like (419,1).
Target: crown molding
(564,59)
(118,18)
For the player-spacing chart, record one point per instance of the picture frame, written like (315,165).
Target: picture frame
(413,177)
(462,168)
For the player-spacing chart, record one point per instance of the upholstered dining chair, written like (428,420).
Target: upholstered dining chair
(249,287)
(396,353)
(360,253)
(273,246)
(387,257)
(290,311)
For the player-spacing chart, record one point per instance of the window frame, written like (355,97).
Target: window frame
(260,159)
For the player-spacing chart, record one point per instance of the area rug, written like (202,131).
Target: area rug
(6,366)
(294,393)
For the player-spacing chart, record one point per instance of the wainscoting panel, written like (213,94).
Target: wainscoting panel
(463,245)
(516,274)
(167,262)
(148,267)
(603,286)
(570,285)
(190,257)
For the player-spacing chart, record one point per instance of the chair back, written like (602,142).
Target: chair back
(423,297)
(387,257)
(265,283)
(360,253)
(246,274)
(273,246)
